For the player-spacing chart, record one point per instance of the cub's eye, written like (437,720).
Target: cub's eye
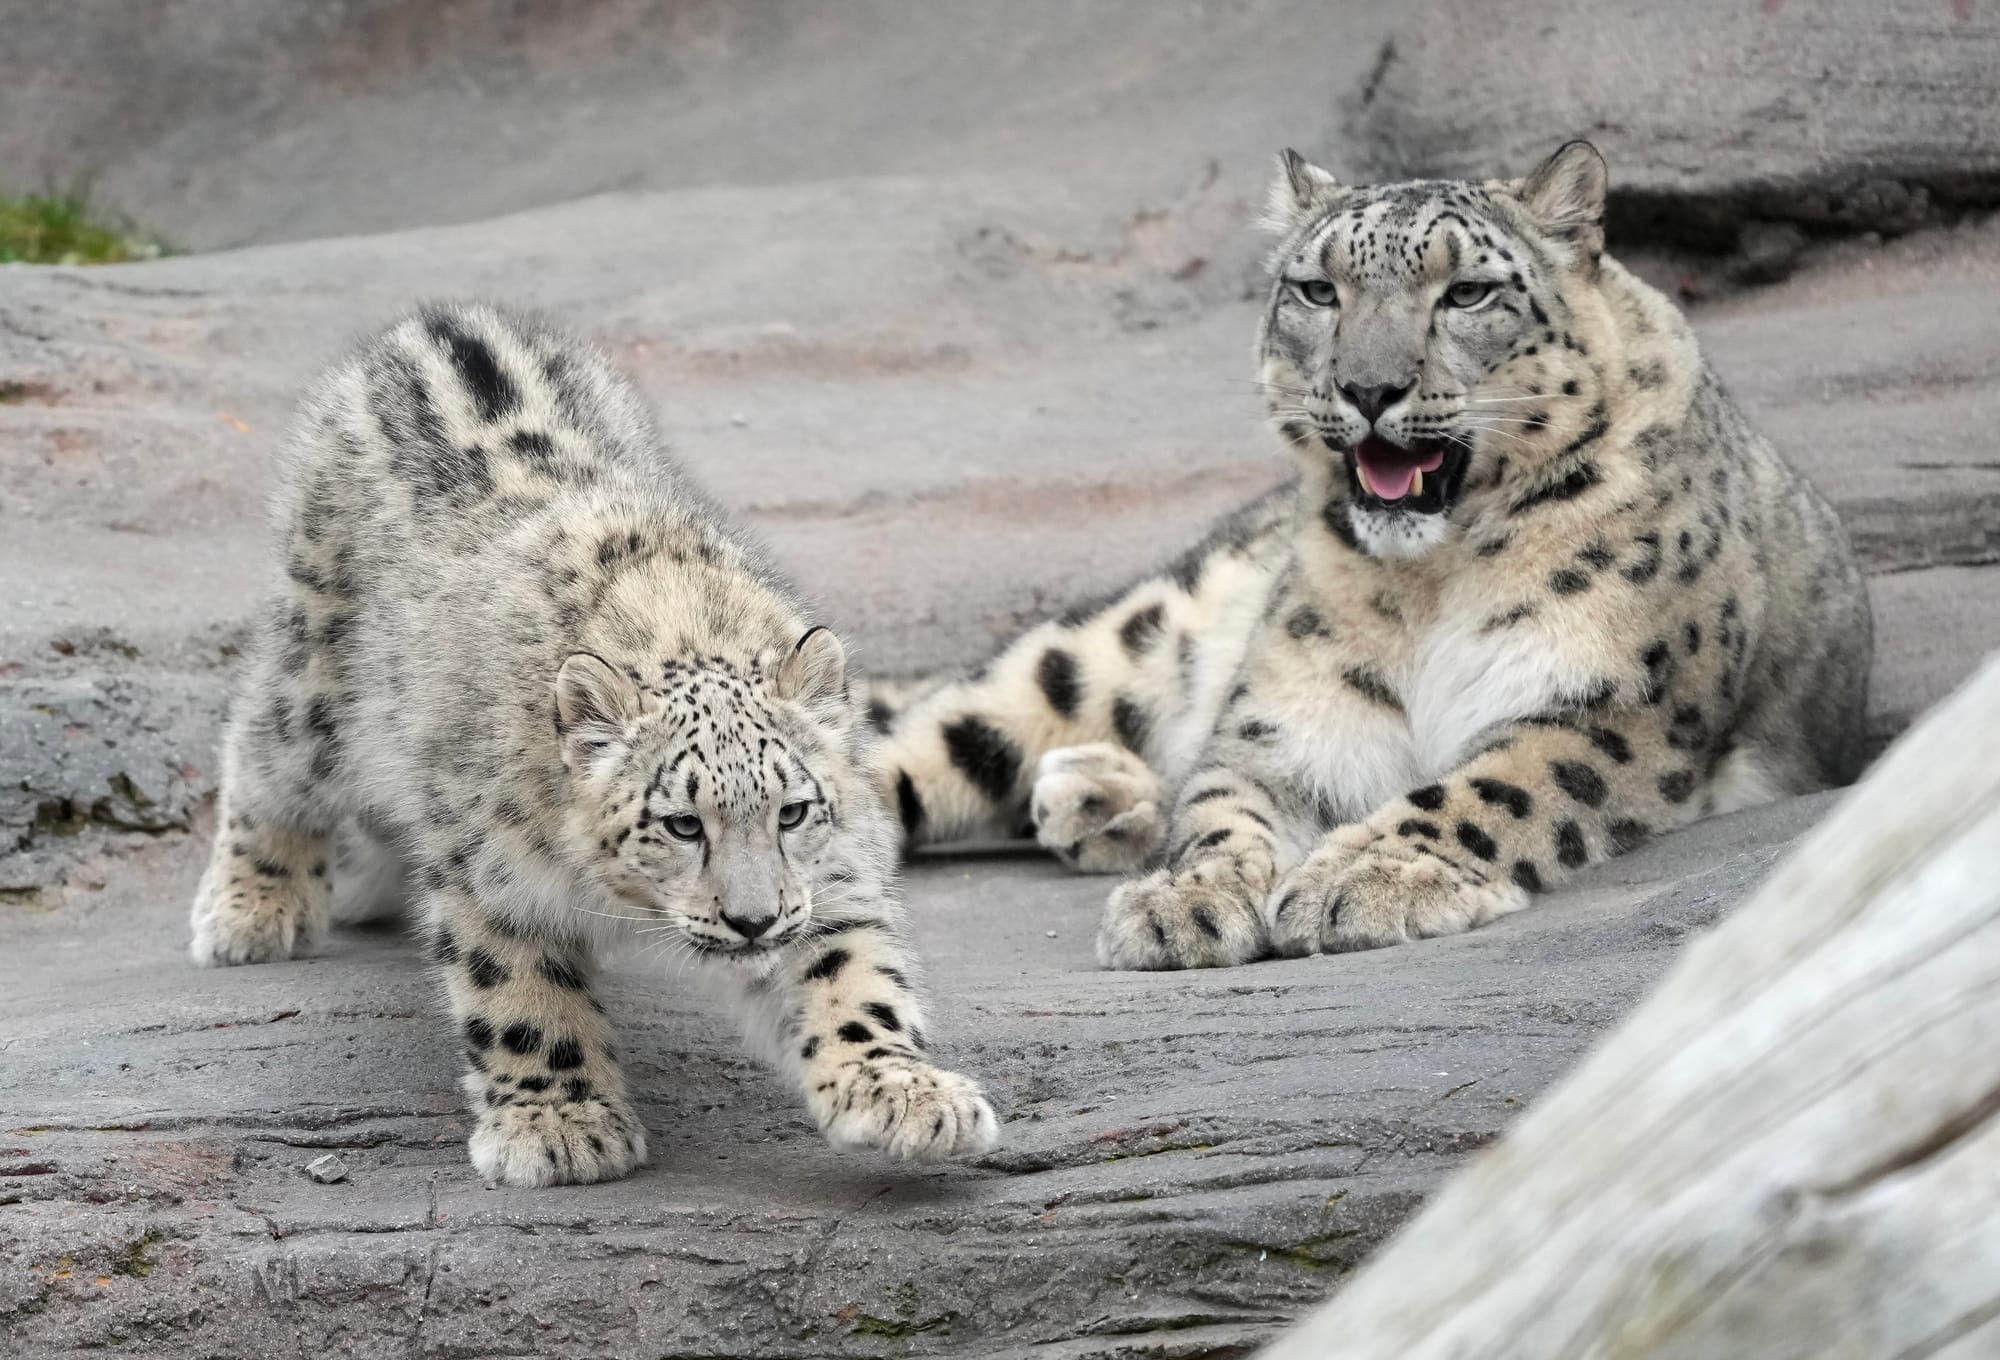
(791,814)
(1315,292)
(684,826)
(1467,294)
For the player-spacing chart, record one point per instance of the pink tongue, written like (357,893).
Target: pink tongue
(1390,483)
(1391,469)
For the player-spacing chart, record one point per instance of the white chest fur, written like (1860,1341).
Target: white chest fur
(1461,683)
(1469,679)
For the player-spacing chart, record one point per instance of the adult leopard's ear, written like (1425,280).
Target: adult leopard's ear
(1565,196)
(1300,191)
(814,673)
(594,702)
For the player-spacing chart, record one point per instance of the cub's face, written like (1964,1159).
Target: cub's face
(707,799)
(1421,335)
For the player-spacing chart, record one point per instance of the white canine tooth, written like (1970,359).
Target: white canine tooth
(1417,483)
(1361,471)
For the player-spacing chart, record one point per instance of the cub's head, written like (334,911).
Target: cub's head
(1423,338)
(713,797)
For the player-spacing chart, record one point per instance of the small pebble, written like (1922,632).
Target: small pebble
(327,1169)
(1050,933)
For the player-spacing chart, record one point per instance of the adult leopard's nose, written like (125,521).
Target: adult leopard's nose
(1372,400)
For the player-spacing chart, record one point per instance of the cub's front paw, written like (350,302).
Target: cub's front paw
(568,1143)
(246,915)
(1201,917)
(1361,893)
(1097,808)
(909,1110)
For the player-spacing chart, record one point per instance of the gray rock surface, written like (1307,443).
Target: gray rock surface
(1721,119)
(226,122)
(997,363)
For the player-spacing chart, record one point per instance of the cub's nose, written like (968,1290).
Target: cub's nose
(1373,401)
(750,927)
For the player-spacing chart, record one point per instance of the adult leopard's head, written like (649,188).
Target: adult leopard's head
(1425,336)
(720,801)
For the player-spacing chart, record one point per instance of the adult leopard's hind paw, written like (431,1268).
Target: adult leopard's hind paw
(1098,808)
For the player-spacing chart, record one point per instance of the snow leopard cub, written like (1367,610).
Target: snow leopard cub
(512,641)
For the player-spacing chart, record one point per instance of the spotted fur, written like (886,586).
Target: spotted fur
(511,641)
(1605,608)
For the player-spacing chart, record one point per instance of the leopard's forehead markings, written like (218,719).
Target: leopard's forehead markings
(1384,233)
(729,745)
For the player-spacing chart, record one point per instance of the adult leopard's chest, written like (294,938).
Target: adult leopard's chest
(1414,706)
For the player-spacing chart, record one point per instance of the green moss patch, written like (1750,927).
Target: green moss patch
(66,228)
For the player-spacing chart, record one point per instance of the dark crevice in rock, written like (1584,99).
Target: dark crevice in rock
(1383,60)
(1759,234)
(1841,204)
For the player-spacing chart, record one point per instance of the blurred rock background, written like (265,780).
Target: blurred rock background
(954,304)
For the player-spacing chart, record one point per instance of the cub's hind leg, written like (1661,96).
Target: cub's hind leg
(268,888)
(1098,808)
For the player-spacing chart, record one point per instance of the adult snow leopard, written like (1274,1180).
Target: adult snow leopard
(1538,593)
(511,640)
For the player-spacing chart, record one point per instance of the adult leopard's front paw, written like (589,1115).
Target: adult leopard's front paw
(1098,808)
(909,1110)
(560,1143)
(1202,917)
(1357,893)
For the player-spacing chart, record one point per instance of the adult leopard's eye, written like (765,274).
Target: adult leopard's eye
(1467,294)
(685,826)
(791,814)
(1315,292)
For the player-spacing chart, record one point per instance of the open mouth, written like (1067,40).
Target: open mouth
(1421,479)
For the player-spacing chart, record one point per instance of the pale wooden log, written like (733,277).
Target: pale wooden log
(1792,1149)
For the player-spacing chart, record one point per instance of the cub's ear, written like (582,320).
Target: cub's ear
(594,701)
(1300,190)
(814,673)
(1565,195)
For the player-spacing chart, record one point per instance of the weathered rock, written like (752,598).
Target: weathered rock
(1844,115)
(222,125)
(104,749)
